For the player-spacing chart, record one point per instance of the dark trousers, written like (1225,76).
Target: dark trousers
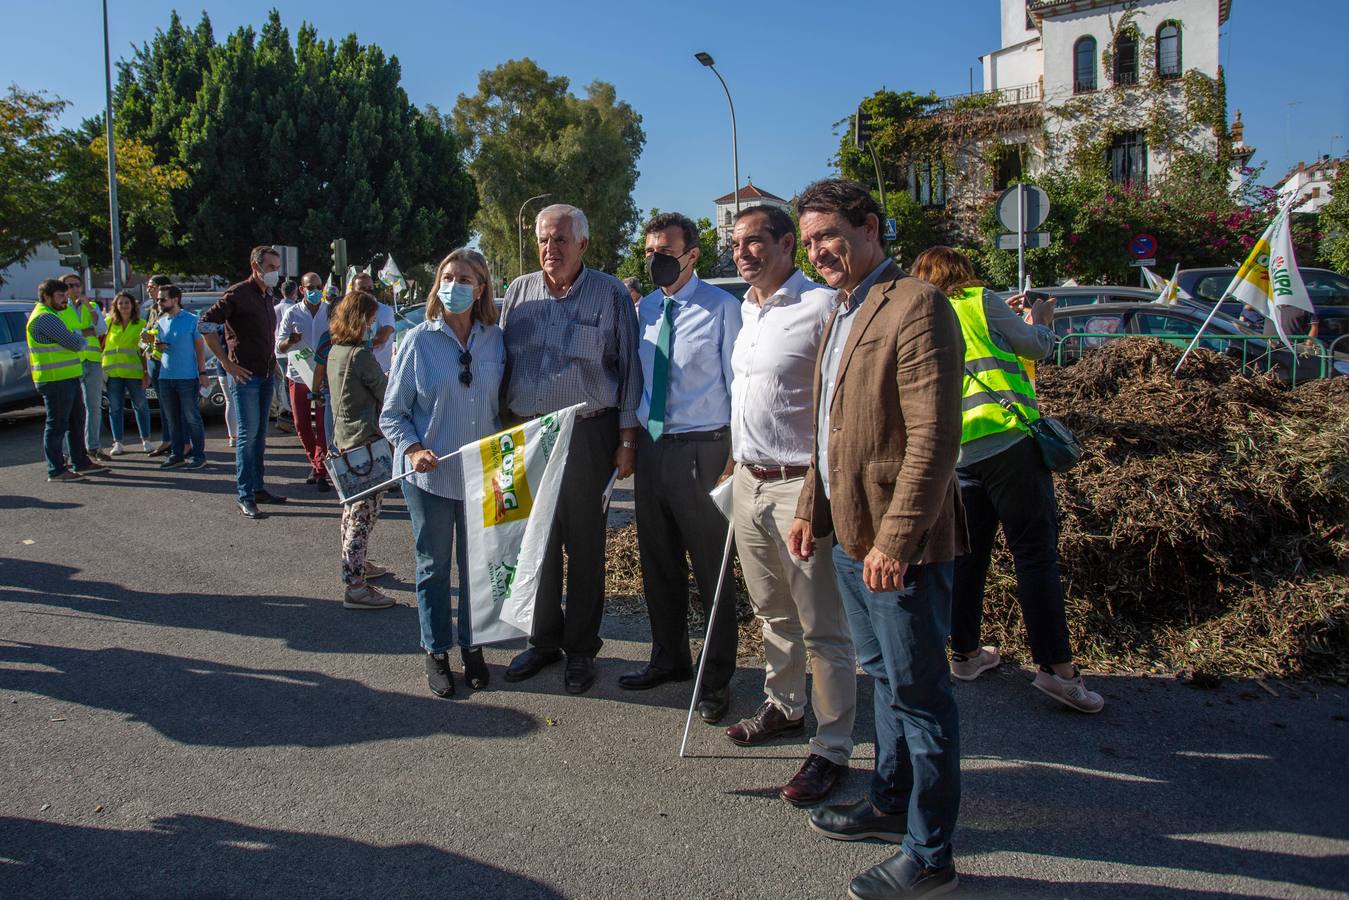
(900,638)
(1016,491)
(675,516)
(64,402)
(579,526)
(179,407)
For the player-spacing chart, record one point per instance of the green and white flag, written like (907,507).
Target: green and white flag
(391,276)
(511,484)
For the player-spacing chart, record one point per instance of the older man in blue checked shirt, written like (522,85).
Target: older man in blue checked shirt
(688,330)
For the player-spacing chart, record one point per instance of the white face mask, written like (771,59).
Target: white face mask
(271,278)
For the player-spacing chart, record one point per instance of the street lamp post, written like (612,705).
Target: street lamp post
(520,227)
(706,59)
(113,215)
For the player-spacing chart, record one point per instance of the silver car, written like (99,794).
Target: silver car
(17,390)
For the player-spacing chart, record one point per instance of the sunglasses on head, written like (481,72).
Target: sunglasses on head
(466,376)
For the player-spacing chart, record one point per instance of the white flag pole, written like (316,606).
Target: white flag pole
(707,639)
(385,485)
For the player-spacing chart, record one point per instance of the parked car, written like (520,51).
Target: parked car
(1328,291)
(17,390)
(735,286)
(1082,329)
(1088,295)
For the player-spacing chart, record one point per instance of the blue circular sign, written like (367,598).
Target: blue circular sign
(1143,246)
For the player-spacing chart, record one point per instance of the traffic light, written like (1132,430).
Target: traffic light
(70,251)
(339,247)
(861,128)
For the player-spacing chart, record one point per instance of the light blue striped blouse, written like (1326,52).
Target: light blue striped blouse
(427,404)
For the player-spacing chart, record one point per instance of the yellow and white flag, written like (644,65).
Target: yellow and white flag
(1169,291)
(1269,278)
(511,484)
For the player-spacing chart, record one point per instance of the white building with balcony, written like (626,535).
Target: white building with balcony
(1311,181)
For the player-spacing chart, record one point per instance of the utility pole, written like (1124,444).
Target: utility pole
(114,216)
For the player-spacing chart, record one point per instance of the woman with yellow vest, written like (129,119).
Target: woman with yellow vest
(1004,482)
(58,372)
(124,368)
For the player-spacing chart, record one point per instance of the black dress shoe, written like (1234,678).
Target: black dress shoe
(903,876)
(250,510)
(714,703)
(859,821)
(813,781)
(531,663)
(324,485)
(650,676)
(438,676)
(476,673)
(580,674)
(311,479)
(267,497)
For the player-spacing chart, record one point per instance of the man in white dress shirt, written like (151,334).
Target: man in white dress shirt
(772,430)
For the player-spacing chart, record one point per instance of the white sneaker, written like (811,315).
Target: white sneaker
(1071,692)
(147,446)
(116,449)
(968,668)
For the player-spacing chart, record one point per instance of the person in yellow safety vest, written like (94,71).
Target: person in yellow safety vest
(1004,482)
(82,315)
(149,342)
(125,371)
(54,361)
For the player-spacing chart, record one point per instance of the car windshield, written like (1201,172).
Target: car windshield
(1326,288)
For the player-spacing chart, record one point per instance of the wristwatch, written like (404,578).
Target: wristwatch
(628,445)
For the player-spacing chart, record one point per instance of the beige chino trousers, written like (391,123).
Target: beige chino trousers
(801,611)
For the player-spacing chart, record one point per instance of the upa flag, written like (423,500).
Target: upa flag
(511,485)
(391,276)
(1269,278)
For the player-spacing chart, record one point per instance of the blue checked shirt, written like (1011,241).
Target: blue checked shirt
(581,348)
(427,404)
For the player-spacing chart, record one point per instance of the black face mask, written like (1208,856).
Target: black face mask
(664,269)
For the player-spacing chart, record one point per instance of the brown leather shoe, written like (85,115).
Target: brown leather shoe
(813,781)
(769,722)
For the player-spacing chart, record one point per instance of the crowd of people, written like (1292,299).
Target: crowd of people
(874,427)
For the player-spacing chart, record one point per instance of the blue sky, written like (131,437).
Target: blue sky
(794,68)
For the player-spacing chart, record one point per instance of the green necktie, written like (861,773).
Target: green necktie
(660,373)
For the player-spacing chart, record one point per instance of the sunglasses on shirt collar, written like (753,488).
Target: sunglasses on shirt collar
(466,375)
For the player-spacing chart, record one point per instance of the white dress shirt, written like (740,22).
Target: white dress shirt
(773,364)
(384,318)
(311,327)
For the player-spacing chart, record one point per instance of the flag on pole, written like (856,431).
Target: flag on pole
(511,484)
(352,272)
(1269,278)
(330,290)
(391,276)
(1157,283)
(1152,278)
(1169,291)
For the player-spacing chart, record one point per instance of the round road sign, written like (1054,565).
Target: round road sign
(1143,246)
(1034,206)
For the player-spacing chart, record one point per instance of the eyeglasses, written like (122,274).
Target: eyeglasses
(466,376)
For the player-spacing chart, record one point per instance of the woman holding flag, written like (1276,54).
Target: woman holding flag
(444,393)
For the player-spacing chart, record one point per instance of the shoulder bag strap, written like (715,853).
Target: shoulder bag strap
(1001,400)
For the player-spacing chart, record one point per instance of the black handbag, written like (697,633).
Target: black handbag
(1059,447)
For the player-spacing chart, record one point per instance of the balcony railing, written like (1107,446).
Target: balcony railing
(1005,96)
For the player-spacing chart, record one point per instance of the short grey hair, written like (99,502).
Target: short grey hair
(579,225)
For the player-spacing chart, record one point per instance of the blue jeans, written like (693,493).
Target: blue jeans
(64,401)
(438,528)
(252,402)
(152,367)
(118,391)
(182,417)
(900,637)
(93,404)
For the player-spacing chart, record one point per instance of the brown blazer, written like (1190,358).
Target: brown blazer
(894,428)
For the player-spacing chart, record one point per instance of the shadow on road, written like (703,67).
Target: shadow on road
(205,857)
(202,702)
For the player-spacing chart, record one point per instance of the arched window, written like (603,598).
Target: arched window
(1084,65)
(1126,57)
(1168,50)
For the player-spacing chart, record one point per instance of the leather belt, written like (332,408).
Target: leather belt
(776,473)
(594,414)
(717,435)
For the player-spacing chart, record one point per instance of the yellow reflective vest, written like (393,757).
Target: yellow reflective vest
(122,351)
(50,362)
(79,319)
(1000,371)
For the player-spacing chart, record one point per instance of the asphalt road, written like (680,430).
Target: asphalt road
(186,709)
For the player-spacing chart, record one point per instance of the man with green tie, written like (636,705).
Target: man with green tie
(687,329)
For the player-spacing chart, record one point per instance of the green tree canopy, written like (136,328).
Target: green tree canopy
(1334,224)
(528,135)
(31,151)
(289,143)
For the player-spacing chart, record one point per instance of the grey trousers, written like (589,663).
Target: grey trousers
(675,516)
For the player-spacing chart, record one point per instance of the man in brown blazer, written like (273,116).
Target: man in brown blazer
(882,480)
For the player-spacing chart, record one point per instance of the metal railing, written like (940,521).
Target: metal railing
(1004,96)
(1254,353)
